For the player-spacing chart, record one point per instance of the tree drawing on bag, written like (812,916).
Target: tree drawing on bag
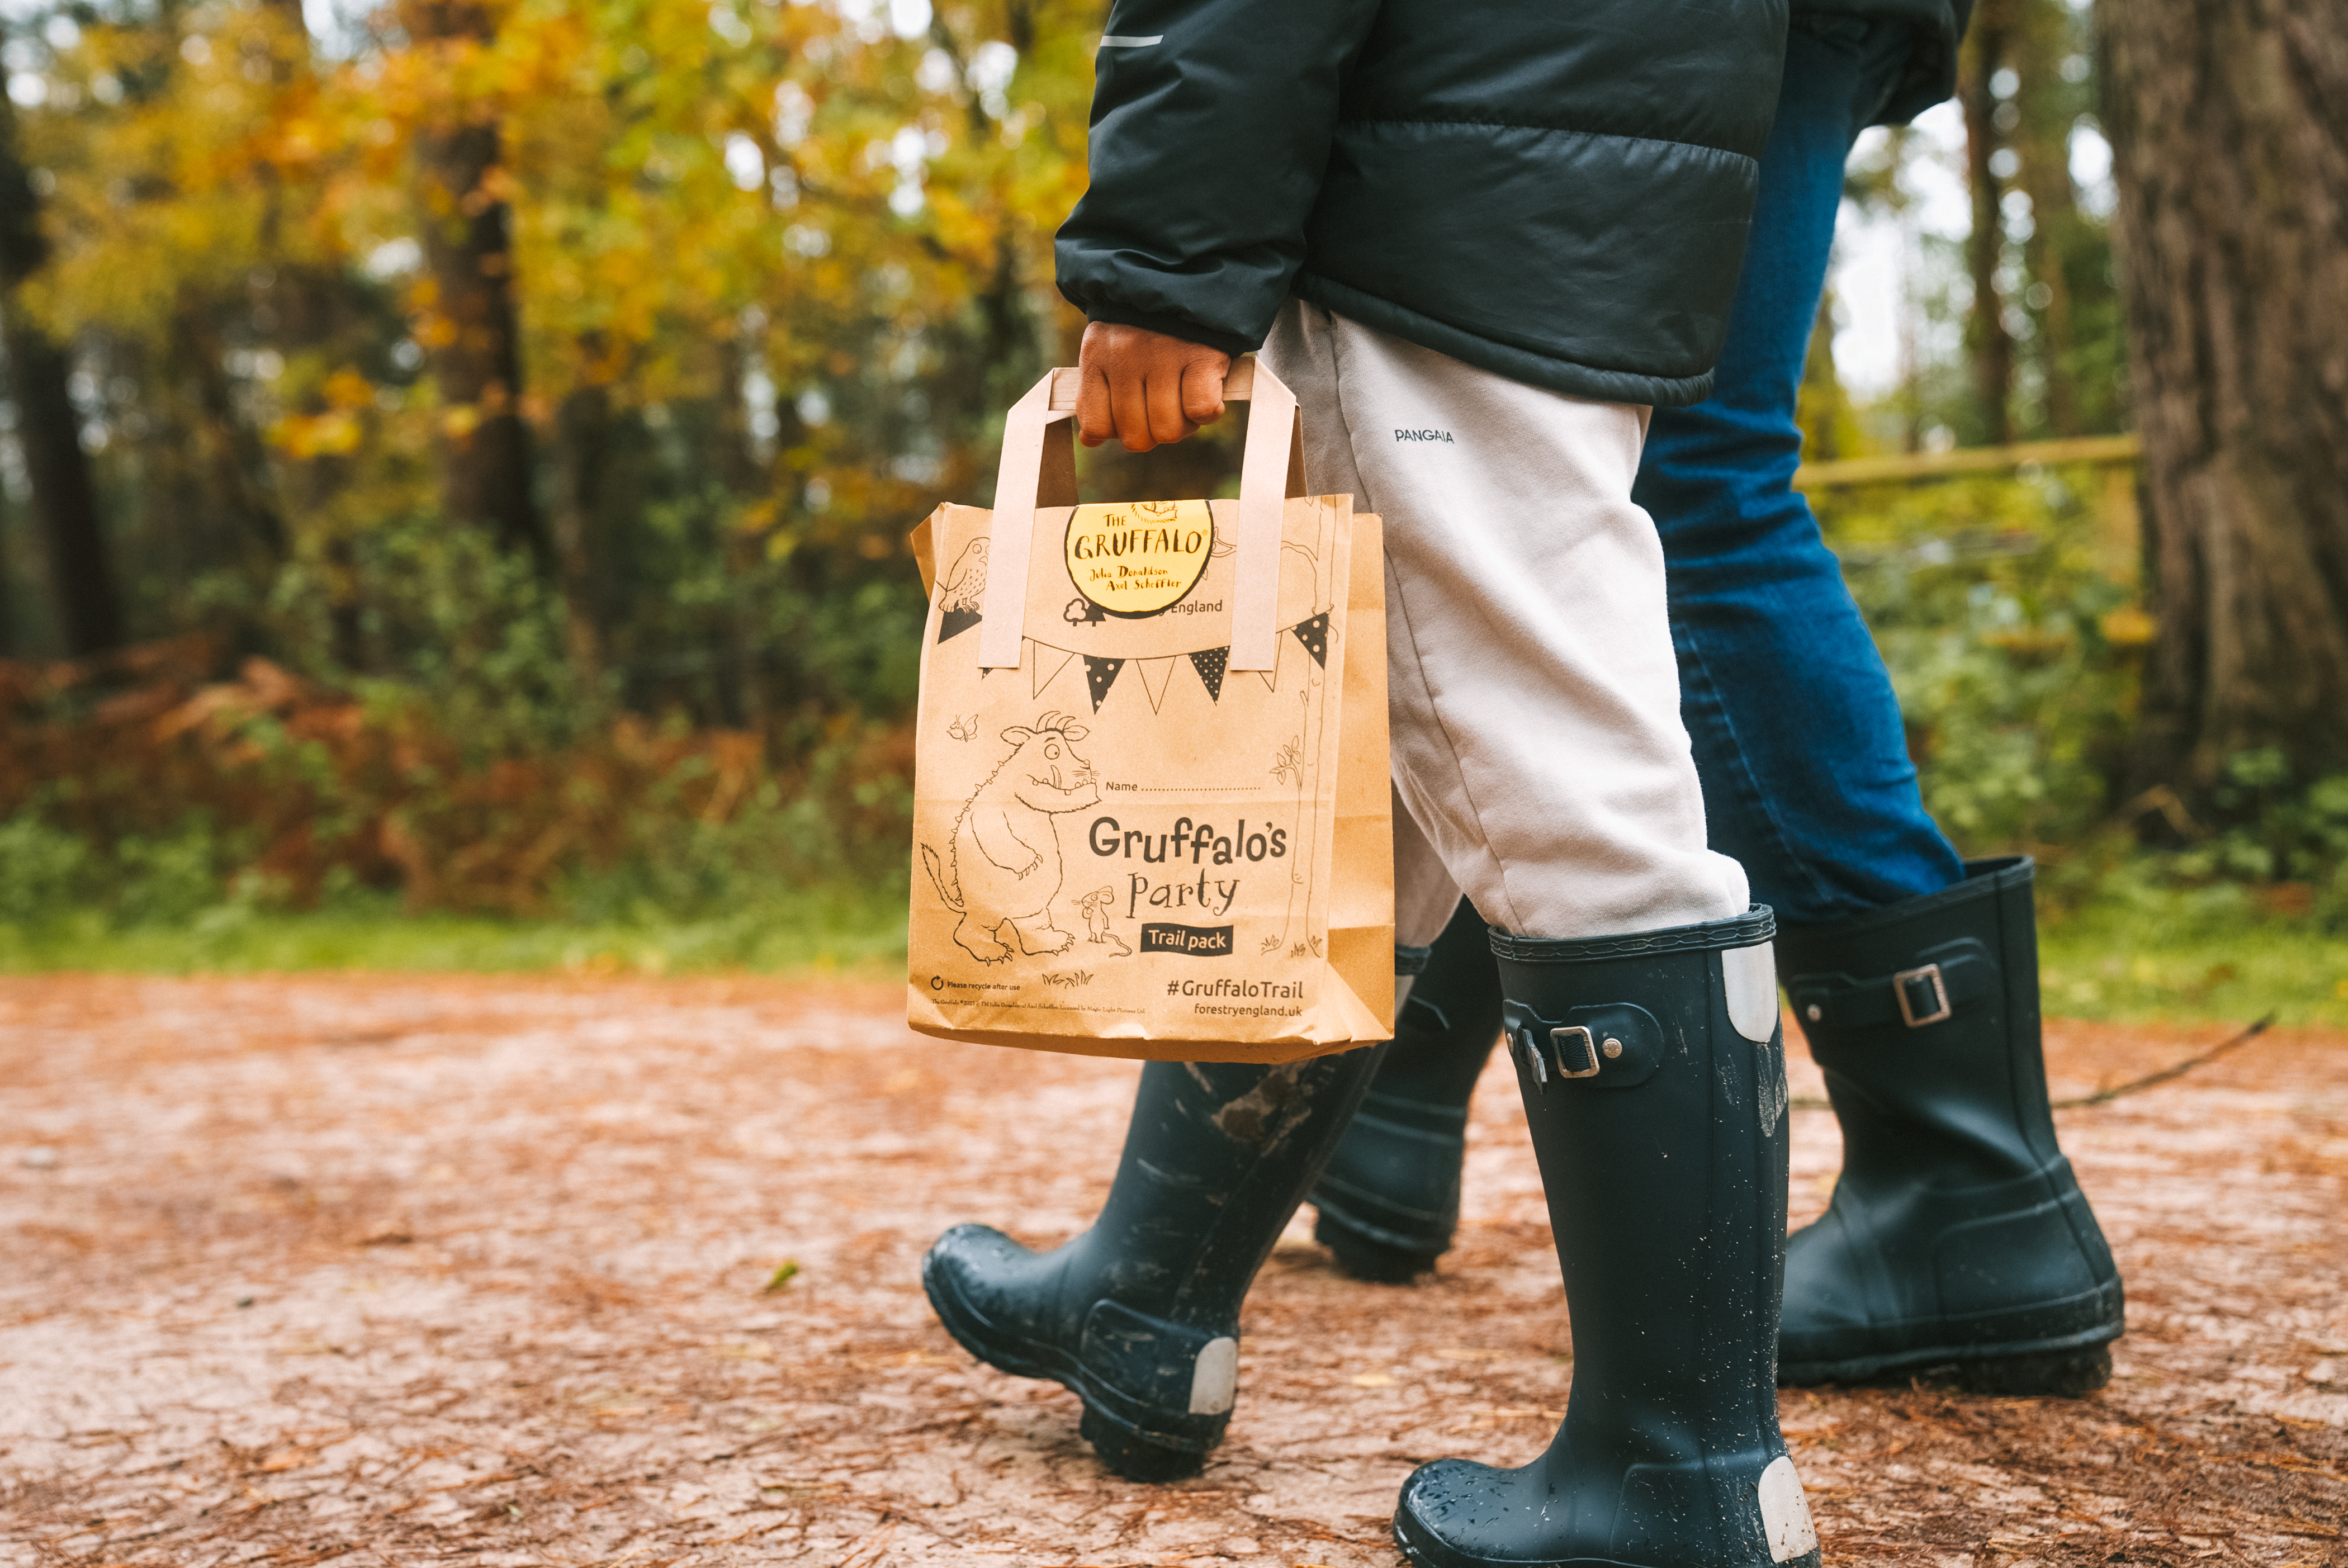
(1003,867)
(1300,762)
(1301,869)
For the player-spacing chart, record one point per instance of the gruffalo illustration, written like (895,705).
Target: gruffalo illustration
(1003,865)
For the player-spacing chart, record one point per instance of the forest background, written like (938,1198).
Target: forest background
(458,457)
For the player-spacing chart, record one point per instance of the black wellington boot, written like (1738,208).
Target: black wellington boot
(1653,1078)
(1139,1316)
(1957,1236)
(1389,1198)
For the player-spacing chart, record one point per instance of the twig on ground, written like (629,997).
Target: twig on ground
(2174,1070)
(2134,1086)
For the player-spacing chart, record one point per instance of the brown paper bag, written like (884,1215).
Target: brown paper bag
(1150,803)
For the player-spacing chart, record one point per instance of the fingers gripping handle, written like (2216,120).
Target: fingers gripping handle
(1039,470)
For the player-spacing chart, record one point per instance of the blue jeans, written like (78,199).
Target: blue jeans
(1797,735)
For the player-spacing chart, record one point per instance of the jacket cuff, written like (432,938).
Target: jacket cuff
(1189,331)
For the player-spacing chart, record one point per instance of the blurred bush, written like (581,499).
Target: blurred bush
(128,788)
(2007,612)
(176,780)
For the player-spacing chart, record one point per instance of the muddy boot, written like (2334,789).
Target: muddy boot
(1957,1237)
(1139,1316)
(1389,1199)
(1653,1080)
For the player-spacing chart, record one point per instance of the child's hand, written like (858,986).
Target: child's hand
(1147,388)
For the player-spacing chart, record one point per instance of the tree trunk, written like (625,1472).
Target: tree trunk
(2043,140)
(11,638)
(1992,346)
(313,311)
(747,481)
(315,314)
(228,450)
(88,608)
(582,434)
(474,333)
(2229,122)
(1829,428)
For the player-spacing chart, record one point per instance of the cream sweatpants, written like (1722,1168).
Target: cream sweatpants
(1539,764)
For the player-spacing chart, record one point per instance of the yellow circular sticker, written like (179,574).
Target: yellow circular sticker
(1137,559)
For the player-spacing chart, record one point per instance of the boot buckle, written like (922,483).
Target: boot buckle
(1910,987)
(1579,1035)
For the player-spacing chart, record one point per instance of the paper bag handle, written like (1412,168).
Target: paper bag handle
(1271,468)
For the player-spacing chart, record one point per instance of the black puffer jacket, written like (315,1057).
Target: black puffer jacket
(1929,73)
(1554,192)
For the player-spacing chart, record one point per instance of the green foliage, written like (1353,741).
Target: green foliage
(2015,645)
(457,628)
(152,799)
(2283,831)
(2015,653)
(43,870)
(2143,949)
(170,878)
(857,932)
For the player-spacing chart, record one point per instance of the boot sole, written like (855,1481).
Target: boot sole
(1123,1450)
(2066,1366)
(1435,1553)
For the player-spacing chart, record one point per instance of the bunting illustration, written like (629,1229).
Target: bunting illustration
(1210,663)
(1044,665)
(1314,635)
(1099,675)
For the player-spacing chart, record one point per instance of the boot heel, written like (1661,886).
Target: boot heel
(1367,1259)
(2062,1373)
(1133,1456)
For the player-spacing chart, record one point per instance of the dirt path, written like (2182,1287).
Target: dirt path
(417,1269)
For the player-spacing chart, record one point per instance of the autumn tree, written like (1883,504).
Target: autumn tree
(703,302)
(473,329)
(2228,121)
(86,606)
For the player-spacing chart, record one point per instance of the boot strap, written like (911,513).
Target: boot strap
(1612,1046)
(1950,979)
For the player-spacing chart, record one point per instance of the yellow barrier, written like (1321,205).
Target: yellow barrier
(2119,522)
(1906,466)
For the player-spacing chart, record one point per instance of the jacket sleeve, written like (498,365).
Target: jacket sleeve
(1211,125)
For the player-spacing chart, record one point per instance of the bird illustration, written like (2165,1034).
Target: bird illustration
(966,586)
(960,595)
